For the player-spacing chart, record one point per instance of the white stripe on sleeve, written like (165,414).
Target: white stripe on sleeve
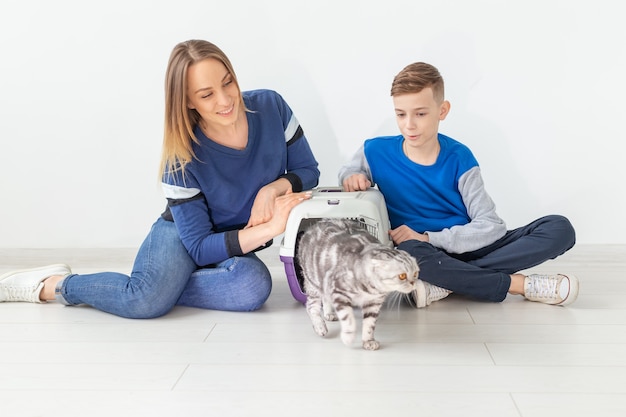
(178,193)
(291,128)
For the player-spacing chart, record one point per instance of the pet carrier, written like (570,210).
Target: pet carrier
(367,207)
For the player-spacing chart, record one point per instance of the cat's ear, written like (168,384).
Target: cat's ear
(382,254)
(379,266)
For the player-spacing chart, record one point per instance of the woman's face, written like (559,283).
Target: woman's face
(212,92)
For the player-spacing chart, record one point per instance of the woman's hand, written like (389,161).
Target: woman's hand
(283,206)
(356,182)
(263,206)
(403,233)
(253,236)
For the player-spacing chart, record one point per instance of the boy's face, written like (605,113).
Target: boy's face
(418,116)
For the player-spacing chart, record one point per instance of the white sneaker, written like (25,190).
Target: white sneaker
(425,293)
(26,284)
(556,289)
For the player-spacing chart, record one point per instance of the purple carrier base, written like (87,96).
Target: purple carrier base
(292,279)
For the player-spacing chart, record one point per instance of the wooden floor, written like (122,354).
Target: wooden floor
(456,357)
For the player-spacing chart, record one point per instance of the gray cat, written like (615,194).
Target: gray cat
(343,266)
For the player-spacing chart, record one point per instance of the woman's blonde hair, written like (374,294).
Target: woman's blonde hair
(180,120)
(417,76)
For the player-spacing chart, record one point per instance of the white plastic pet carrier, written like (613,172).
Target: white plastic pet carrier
(367,207)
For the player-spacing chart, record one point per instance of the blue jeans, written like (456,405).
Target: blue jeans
(485,273)
(164,275)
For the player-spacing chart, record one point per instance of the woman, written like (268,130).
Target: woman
(233,166)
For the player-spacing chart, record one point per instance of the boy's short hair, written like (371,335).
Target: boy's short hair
(416,77)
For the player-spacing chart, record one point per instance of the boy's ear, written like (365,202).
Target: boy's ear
(444,109)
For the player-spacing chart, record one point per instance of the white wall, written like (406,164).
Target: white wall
(536,87)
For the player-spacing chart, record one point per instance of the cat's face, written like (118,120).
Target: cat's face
(394,270)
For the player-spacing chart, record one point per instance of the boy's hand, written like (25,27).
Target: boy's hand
(356,182)
(403,233)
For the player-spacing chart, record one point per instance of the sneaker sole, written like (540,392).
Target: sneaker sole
(572,295)
(420,295)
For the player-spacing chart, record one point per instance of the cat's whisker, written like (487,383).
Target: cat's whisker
(394,302)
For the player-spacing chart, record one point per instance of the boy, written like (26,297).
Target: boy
(440,212)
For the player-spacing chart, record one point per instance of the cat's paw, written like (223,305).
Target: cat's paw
(347,338)
(320,328)
(330,316)
(371,345)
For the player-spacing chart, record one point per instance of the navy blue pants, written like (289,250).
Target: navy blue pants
(485,273)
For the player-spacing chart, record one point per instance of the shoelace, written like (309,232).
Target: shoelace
(20,294)
(542,286)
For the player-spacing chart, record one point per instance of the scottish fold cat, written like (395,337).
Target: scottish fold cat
(343,266)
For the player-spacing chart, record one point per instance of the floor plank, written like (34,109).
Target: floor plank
(456,357)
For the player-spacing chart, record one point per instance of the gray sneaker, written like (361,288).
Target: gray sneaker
(424,293)
(26,284)
(556,289)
